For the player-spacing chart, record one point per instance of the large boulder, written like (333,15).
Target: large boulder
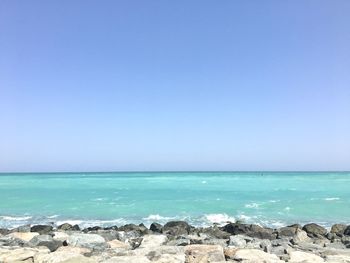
(25,236)
(288,231)
(46,241)
(155,227)
(204,253)
(86,240)
(250,230)
(214,232)
(68,227)
(347,231)
(314,230)
(41,229)
(302,257)
(338,229)
(176,228)
(132,227)
(254,255)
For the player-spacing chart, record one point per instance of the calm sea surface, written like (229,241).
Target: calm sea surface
(267,198)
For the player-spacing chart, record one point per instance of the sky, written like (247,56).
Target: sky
(174,85)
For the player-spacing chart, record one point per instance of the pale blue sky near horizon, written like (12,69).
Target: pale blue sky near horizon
(174,85)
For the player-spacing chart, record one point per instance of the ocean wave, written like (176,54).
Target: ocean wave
(157,218)
(219,218)
(15,218)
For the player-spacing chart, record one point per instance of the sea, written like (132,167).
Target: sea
(272,199)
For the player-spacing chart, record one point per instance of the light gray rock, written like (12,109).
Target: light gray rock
(25,236)
(86,240)
(255,256)
(204,253)
(238,241)
(46,241)
(304,257)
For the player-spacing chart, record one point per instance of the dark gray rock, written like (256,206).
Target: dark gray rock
(288,231)
(8,241)
(46,241)
(94,228)
(135,242)
(155,227)
(250,230)
(108,235)
(4,231)
(314,230)
(68,227)
(338,229)
(215,232)
(132,227)
(347,231)
(41,229)
(346,241)
(176,228)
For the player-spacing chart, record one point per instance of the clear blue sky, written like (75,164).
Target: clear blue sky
(174,85)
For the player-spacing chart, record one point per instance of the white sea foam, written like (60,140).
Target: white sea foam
(331,198)
(287,208)
(219,218)
(252,205)
(204,182)
(157,217)
(17,218)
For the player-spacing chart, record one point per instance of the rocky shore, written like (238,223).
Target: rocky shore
(176,242)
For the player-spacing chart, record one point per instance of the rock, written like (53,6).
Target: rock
(300,237)
(116,244)
(41,229)
(25,228)
(179,241)
(255,256)
(60,236)
(46,241)
(12,242)
(76,250)
(303,257)
(215,232)
(86,240)
(4,231)
(346,241)
(347,231)
(166,258)
(25,236)
(68,227)
(128,259)
(135,242)
(338,229)
(314,230)
(230,252)
(20,254)
(250,230)
(108,235)
(64,257)
(238,241)
(337,259)
(204,253)
(153,241)
(155,227)
(132,227)
(176,228)
(286,232)
(125,236)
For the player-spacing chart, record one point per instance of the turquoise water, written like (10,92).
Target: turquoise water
(267,198)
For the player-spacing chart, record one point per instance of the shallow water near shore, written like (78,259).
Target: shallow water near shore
(268,198)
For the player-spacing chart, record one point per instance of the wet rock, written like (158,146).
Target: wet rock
(204,253)
(215,232)
(155,227)
(176,228)
(68,227)
(250,230)
(132,227)
(46,241)
(314,230)
(41,229)
(338,229)
(347,231)
(286,232)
